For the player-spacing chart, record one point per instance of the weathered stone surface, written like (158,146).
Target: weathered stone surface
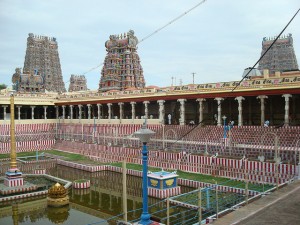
(281,57)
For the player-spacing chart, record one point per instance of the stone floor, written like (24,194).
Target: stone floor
(280,207)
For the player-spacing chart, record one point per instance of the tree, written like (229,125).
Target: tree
(3,86)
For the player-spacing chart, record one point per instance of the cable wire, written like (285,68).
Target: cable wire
(172,21)
(266,50)
(156,31)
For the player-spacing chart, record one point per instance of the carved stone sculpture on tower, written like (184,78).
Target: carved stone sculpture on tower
(281,57)
(122,68)
(42,69)
(77,83)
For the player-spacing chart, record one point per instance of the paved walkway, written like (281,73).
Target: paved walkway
(281,207)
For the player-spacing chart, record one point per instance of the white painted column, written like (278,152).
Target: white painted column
(146,109)
(80,112)
(32,112)
(219,110)
(4,112)
(182,111)
(286,108)
(121,109)
(109,110)
(89,111)
(63,112)
(99,111)
(161,111)
(45,112)
(19,111)
(56,111)
(262,108)
(240,109)
(71,111)
(201,100)
(133,110)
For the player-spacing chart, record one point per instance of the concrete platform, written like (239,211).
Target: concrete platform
(280,207)
(27,187)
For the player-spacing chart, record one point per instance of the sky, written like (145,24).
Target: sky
(216,41)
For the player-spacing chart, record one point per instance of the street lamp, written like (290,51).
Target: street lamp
(224,118)
(144,135)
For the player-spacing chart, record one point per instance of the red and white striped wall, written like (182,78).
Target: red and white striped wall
(39,171)
(14,182)
(81,185)
(158,193)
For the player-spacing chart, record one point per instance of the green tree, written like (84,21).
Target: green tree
(3,86)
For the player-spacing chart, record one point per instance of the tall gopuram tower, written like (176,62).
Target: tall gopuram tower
(42,58)
(281,57)
(122,68)
(77,83)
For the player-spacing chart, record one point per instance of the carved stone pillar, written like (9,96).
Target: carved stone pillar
(63,112)
(4,112)
(19,111)
(146,109)
(109,110)
(201,100)
(262,108)
(240,109)
(56,111)
(121,110)
(219,110)
(133,110)
(80,112)
(45,112)
(89,111)
(286,108)
(99,111)
(161,111)
(71,111)
(32,112)
(182,111)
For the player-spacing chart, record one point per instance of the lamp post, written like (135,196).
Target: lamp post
(144,135)
(224,118)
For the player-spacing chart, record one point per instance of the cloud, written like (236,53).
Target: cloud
(217,40)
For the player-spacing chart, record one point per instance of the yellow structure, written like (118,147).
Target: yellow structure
(57,196)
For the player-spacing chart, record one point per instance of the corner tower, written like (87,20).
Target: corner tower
(42,58)
(281,57)
(122,68)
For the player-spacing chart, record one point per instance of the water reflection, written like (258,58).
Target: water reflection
(101,201)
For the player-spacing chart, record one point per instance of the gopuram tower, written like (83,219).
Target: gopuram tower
(281,57)
(77,83)
(122,68)
(42,58)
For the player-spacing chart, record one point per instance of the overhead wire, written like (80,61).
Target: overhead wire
(155,32)
(266,51)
